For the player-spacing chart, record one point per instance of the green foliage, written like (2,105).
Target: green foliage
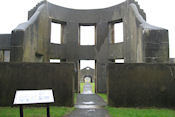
(135,112)
(34,111)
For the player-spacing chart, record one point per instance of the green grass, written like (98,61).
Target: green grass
(34,111)
(75,98)
(135,112)
(93,87)
(103,95)
(82,85)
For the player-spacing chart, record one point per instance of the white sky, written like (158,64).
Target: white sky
(55,33)
(54,60)
(159,13)
(85,63)
(118,32)
(84,37)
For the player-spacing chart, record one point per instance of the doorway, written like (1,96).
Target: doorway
(87,74)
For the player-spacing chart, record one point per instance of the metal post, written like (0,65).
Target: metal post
(48,111)
(21,110)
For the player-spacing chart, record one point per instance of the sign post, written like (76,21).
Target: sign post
(25,97)
(48,111)
(21,110)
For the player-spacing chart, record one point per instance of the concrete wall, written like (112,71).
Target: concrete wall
(135,48)
(5,41)
(30,40)
(141,85)
(21,76)
(5,47)
(143,43)
(172,60)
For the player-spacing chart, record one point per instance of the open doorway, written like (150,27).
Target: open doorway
(87,75)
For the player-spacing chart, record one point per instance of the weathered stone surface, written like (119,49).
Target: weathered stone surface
(21,76)
(141,85)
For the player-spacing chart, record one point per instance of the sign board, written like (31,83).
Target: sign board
(33,96)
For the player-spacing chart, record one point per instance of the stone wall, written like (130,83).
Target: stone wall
(141,85)
(21,76)
(87,72)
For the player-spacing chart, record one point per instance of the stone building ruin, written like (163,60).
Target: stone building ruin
(87,72)
(142,42)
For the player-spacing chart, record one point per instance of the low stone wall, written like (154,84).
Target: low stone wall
(21,76)
(141,85)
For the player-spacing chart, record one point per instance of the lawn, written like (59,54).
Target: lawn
(60,111)
(103,95)
(135,112)
(34,111)
(75,98)
(82,85)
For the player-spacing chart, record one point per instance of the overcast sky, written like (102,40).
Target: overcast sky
(159,13)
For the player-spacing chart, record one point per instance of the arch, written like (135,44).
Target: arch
(89,76)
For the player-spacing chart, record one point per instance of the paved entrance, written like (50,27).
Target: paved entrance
(89,104)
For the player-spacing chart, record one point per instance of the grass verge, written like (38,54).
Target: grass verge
(103,95)
(81,87)
(135,112)
(75,98)
(34,111)
(93,87)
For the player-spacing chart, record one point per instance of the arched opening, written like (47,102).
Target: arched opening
(88,79)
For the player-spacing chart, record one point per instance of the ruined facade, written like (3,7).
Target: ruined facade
(143,43)
(87,72)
